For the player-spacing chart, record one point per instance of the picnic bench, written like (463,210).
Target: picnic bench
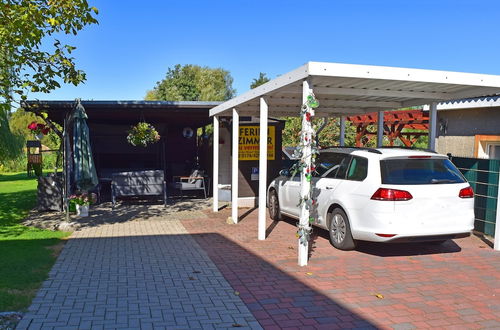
(138,183)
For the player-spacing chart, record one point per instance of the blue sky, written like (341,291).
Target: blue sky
(136,42)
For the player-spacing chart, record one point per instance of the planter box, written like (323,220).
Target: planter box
(49,193)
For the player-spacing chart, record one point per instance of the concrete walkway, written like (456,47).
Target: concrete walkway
(136,274)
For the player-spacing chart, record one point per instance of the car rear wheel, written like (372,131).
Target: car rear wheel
(340,230)
(274,206)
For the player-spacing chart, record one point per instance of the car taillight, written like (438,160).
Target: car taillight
(384,194)
(466,193)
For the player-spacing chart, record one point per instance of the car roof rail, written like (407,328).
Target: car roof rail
(408,148)
(373,150)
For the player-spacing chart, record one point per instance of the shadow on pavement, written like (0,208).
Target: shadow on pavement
(389,249)
(126,210)
(163,285)
(273,296)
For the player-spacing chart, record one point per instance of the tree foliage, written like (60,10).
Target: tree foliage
(32,59)
(262,79)
(329,136)
(193,83)
(27,25)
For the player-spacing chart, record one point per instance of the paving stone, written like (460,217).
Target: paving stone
(419,283)
(136,274)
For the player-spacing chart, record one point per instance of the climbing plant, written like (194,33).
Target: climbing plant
(307,152)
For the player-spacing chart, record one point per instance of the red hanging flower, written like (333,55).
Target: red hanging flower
(38,128)
(32,126)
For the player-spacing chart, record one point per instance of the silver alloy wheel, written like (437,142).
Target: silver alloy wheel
(338,228)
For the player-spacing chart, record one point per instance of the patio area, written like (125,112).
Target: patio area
(405,286)
(193,270)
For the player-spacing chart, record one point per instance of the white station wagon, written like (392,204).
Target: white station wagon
(381,195)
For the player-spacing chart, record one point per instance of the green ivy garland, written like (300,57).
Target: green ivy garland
(307,152)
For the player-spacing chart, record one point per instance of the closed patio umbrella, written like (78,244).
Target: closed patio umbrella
(85,175)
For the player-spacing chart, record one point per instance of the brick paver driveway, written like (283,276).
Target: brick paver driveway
(137,274)
(455,285)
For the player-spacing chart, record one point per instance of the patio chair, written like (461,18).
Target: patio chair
(196,181)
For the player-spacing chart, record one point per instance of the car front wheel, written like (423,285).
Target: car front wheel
(274,206)
(340,230)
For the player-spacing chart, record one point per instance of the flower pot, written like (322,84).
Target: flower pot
(82,210)
(39,136)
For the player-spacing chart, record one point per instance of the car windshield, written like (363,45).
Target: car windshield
(420,171)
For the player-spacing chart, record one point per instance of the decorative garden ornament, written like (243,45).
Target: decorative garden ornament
(187,132)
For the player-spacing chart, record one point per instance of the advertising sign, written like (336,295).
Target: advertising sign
(249,142)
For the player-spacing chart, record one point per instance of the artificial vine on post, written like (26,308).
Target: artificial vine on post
(307,152)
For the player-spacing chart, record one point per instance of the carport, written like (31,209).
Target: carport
(341,89)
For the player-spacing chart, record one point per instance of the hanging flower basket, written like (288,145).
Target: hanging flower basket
(38,129)
(142,134)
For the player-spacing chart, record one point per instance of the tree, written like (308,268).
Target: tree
(259,81)
(329,136)
(193,83)
(27,61)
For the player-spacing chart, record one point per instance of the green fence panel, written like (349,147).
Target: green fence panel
(482,175)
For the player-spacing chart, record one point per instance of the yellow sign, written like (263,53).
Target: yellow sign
(249,142)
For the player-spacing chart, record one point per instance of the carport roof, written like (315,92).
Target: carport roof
(346,89)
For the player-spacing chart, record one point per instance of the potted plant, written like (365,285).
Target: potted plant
(142,134)
(38,129)
(82,202)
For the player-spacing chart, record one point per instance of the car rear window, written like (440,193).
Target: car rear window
(420,171)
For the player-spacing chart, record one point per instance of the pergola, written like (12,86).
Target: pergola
(342,89)
(394,123)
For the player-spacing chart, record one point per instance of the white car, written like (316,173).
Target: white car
(381,195)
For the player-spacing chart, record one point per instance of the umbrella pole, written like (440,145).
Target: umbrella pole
(66,168)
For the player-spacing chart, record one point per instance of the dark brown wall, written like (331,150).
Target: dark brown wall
(249,188)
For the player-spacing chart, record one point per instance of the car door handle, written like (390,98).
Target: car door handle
(329,187)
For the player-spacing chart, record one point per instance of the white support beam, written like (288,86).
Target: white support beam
(234,166)
(380,129)
(336,103)
(339,91)
(303,247)
(215,180)
(432,126)
(263,169)
(342,131)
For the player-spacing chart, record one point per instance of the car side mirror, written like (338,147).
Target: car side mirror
(284,172)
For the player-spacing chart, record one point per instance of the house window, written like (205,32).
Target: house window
(493,150)
(487,146)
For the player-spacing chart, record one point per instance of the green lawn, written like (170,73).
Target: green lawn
(26,254)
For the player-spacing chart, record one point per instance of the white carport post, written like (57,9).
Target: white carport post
(380,129)
(432,125)
(342,131)
(304,185)
(234,167)
(264,109)
(215,184)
